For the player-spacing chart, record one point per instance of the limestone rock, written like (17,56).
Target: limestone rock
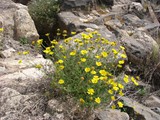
(72,22)
(120,8)
(15,106)
(70,4)
(7,53)
(136,7)
(112,115)
(123,1)
(141,48)
(25,27)
(140,112)
(17,23)
(54,106)
(132,20)
(152,101)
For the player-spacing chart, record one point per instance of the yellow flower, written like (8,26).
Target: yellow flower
(103,72)
(81,44)
(81,100)
(47,34)
(73,33)
(120,66)
(114,51)
(134,81)
(98,100)
(61,81)
(47,50)
(113,107)
(64,31)
(83,52)
(115,88)
(110,91)
(121,93)
(90,91)
(64,57)
(54,42)
(120,104)
(51,53)
(61,46)
(87,69)
(104,54)
(83,59)
(123,56)
(97,56)
(95,79)
(98,63)
(113,98)
(120,86)
(19,52)
(20,61)
(121,62)
(93,72)
(33,42)
(58,34)
(125,79)
(1,29)
(122,47)
(39,42)
(61,67)
(60,61)
(64,35)
(39,66)
(73,53)
(113,43)
(103,78)
(82,78)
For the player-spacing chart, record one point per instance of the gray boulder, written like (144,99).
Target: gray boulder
(140,112)
(71,22)
(17,23)
(70,4)
(141,48)
(112,115)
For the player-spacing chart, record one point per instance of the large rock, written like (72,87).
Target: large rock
(24,25)
(140,112)
(72,22)
(141,48)
(152,101)
(70,4)
(112,115)
(17,23)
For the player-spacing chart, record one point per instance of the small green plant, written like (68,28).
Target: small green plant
(85,69)
(44,12)
(23,40)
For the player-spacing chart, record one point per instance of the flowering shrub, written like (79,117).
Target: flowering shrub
(85,69)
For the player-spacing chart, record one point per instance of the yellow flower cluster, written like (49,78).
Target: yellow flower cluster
(48,51)
(86,66)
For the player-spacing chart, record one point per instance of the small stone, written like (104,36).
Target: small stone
(54,106)
(7,53)
(47,116)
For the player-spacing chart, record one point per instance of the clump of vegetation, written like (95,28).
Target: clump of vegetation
(44,12)
(85,69)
